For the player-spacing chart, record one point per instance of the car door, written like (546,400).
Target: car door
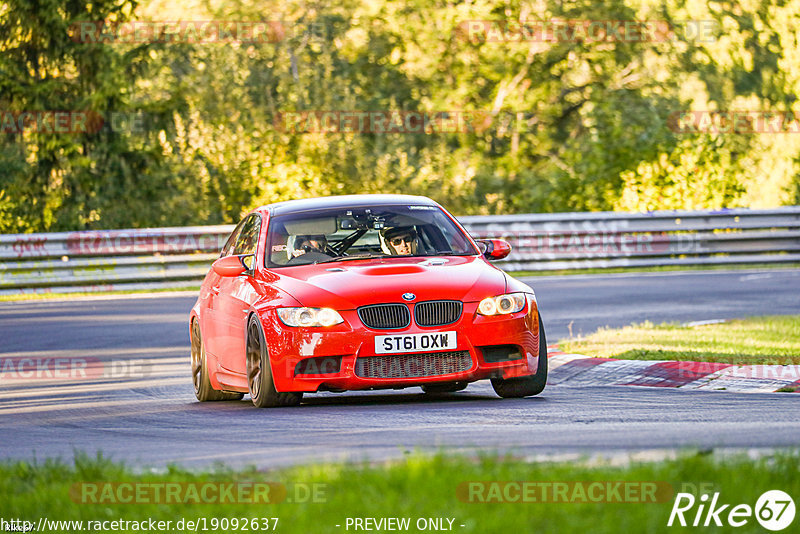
(209,300)
(233,303)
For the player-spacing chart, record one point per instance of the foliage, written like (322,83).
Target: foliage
(560,125)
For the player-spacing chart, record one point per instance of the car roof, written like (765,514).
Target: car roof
(343,201)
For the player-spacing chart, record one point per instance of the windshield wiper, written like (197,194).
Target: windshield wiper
(356,257)
(448,253)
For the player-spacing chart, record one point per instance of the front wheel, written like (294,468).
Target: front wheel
(525,386)
(259,372)
(202,385)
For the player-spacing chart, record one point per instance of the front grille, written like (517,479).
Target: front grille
(437,312)
(385,316)
(413,365)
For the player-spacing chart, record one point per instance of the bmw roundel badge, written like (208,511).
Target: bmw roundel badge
(409,296)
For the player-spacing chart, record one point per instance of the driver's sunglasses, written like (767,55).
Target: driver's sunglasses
(400,240)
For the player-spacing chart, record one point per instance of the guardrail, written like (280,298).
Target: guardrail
(108,260)
(610,239)
(180,257)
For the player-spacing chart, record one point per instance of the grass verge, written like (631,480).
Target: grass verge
(756,340)
(417,487)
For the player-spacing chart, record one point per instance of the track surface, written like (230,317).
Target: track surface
(143,410)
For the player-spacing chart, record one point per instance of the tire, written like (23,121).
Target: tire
(259,373)
(202,385)
(526,386)
(449,387)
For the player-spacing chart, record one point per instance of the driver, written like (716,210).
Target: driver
(401,240)
(309,243)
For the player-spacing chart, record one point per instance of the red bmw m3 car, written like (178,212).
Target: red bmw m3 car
(361,292)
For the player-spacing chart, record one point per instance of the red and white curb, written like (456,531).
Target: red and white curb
(580,370)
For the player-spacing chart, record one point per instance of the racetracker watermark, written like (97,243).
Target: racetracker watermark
(734,122)
(586,31)
(57,122)
(193,31)
(589,243)
(573,491)
(207,492)
(121,242)
(71,122)
(182,524)
(401,121)
(209,31)
(13,368)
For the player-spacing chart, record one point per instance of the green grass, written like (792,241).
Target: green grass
(417,487)
(757,340)
(657,269)
(81,294)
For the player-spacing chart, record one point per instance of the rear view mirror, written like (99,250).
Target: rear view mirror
(233,265)
(494,249)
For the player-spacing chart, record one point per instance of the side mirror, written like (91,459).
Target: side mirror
(232,265)
(494,249)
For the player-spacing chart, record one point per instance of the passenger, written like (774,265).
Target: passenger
(309,243)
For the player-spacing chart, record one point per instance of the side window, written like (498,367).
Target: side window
(248,238)
(227,250)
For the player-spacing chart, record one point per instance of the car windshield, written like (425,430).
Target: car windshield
(340,234)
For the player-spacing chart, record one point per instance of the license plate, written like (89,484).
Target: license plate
(427,342)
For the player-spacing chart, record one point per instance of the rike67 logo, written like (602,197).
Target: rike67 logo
(774,510)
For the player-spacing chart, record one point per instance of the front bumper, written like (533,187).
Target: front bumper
(482,337)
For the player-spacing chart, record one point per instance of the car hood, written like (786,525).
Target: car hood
(348,285)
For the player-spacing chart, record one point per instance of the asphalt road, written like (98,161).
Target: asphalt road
(581,304)
(133,399)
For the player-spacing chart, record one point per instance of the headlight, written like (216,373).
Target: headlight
(502,305)
(309,316)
